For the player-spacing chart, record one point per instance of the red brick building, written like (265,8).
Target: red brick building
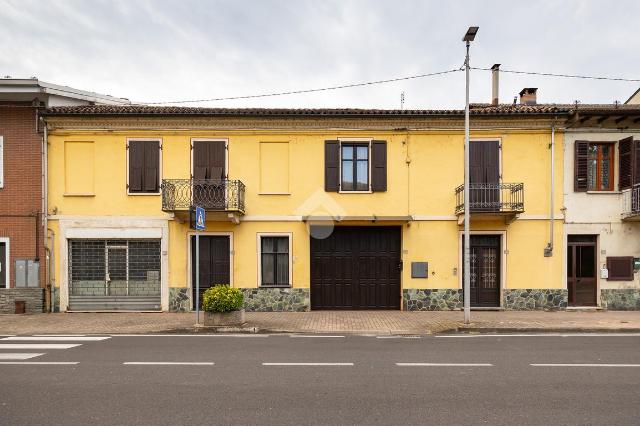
(23,255)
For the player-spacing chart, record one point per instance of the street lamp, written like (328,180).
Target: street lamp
(468,38)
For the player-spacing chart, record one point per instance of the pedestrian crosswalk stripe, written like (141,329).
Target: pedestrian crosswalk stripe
(38,345)
(17,356)
(39,362)
(56,338)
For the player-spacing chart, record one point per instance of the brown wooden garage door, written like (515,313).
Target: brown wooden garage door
(356,268)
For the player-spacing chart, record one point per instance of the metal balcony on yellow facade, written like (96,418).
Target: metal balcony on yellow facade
(214,195)
(491,200)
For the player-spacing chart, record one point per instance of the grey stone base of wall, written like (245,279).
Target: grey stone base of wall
(620,299)
(276,299)
(33,297)
(415,299)
(535,299)
(179,299)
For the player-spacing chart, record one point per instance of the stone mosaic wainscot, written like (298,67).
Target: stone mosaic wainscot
(276,299)
(620,299)
(432,299)
(535,299)
(179,300)
(33,298)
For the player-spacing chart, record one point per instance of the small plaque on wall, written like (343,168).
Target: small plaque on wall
(419,269)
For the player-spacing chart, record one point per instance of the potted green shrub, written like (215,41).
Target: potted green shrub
(223,306)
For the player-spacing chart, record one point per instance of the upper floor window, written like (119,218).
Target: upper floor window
(600,172)
(1,162)
(355,167)
(144,166)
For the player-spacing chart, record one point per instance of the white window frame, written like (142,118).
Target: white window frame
(155,194)
(1,161)
(350,141)
(259,236)
(7,261)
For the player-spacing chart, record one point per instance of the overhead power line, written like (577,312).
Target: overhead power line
(550,74)
(295,92)
(390,80)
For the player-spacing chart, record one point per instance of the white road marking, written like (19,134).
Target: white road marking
(398,337)
(57,338)
(313,335)
(441,364)
(319,364)
(37,363)
(14,356)
(585,365)
(59,335)
(167,363)
(38,345)
(542,335)
(189,335)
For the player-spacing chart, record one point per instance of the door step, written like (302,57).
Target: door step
(584,308)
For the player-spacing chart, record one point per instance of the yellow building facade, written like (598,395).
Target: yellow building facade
(306,209)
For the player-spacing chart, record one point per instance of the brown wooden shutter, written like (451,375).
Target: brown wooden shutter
(378,166)
(136,165)
(151,166)
(581,166)
(620,268)
(216,160)
(331,166)
(625,171)
(635,160)
(200,160)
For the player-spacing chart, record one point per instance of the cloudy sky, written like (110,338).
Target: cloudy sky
(159,51)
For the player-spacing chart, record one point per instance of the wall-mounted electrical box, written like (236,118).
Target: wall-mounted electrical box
(27,273)
(419,269)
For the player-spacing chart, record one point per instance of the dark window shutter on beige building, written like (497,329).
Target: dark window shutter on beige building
(136,165)
(151,166)
(144,165)
(379,166)
(625,171)
(620,268)
(331,166)
(581,166)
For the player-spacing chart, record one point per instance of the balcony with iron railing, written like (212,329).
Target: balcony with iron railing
(212,194)
(492,199)
(631,203)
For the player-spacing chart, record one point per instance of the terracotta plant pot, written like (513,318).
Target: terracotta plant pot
(226,319)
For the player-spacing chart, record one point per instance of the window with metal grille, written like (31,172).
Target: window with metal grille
(274,259)
(114,267)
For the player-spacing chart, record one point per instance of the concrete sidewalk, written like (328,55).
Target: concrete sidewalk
(355,322)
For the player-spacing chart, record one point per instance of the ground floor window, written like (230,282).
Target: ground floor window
(114,267)
(274,260)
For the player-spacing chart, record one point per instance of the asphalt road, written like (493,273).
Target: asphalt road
(284,379)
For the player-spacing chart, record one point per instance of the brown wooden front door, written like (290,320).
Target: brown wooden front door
(485,270)
(209,173)
(214,263)
(581,270)
(484,175)
(356,268)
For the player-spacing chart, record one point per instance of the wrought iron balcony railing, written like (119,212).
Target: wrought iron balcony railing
(492,198)
(211,194)
(631,202)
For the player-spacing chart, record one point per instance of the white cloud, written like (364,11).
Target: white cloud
(169,50)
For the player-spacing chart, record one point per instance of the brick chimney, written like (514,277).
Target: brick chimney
(528,96)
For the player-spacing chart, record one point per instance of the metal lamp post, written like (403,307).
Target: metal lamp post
(468,38)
